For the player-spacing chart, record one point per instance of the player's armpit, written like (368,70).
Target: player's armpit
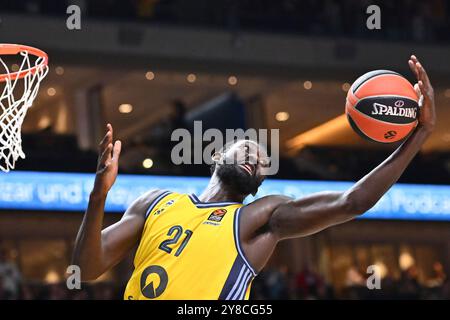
(311,214)
(256,215)
(119,238)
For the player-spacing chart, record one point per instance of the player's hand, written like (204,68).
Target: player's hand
(425,92)
(108,163)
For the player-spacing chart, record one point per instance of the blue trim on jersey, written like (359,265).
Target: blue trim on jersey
(155,202)
(237,282)
(194,198)
(240,294)
(199,204)
(232,277)
(238,242)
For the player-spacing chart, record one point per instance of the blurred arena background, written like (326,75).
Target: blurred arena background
(149,66)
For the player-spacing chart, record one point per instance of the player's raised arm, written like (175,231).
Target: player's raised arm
(300,217)
(95,250)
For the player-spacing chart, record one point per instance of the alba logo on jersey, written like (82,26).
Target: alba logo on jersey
(154,281)
(217,215)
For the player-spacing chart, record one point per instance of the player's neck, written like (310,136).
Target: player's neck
(217,192)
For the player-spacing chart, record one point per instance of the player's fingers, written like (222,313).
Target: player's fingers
(116,150)
(106,156)
(419,94)
(417,90)
(414,59)
(413,68)
(105,141)
(110,129)
(423,89)
(423,74)
(427,92)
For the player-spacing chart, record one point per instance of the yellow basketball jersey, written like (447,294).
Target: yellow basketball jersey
(190,250)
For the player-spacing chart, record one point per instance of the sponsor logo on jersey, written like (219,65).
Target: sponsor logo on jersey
(397,110)
(154,281)
(217,215)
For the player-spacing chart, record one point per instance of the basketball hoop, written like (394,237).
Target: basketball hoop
(18,90)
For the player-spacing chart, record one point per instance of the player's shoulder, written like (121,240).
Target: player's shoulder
(263,207)
(269,201)
(256,215)
(148,199)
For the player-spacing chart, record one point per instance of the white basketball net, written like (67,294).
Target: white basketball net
(14,108)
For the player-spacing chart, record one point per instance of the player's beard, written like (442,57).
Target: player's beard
(238,181)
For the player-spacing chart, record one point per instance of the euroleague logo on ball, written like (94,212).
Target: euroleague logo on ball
(390,134)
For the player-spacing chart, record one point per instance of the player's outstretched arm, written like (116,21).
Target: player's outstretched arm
(316,212)
(95,250)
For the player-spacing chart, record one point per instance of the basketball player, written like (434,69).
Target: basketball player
(212,246)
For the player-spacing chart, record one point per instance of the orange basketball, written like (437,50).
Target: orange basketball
(382,106)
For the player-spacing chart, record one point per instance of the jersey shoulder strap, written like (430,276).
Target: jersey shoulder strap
(154,204)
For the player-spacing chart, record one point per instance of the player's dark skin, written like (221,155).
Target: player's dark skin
(265,221)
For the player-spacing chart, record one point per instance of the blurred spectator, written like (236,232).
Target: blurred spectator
(445,294)
(10,278)
(57,291)
(409,287)
(354,277)
(277,282)
(388,289)
(27,293)
(309,285)
(355,283)
(438,277)
(104,291)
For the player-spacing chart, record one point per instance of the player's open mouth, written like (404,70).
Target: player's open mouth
(248,168)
